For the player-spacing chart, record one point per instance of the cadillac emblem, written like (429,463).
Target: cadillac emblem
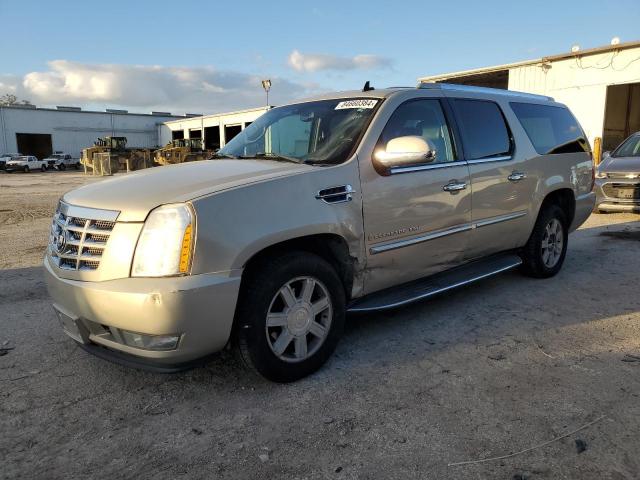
(61,241)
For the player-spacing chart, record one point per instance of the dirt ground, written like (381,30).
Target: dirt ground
(488,370)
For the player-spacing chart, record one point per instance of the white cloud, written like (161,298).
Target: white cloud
(175,89)
(313,62)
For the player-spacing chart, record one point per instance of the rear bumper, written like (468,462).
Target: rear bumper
(198,308)
(584,207)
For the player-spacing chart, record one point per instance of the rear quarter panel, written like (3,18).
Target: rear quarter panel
(547,173)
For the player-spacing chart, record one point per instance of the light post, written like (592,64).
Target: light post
(266,84)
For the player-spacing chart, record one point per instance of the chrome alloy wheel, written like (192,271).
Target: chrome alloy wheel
(552,243)
(299,319)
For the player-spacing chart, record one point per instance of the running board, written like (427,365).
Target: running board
(429,286)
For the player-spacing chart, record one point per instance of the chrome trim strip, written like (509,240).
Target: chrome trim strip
(430,293)
(423,238)
(428,166)
(499,218)
(88,213)
(443,233)
(489,160)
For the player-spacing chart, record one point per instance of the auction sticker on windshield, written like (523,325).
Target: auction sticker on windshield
(359,103)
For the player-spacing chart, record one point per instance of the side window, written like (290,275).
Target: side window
(423,118)
(551,129)
(482,126)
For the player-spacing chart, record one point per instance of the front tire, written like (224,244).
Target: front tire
(290,316)
(26,169)
(544,253)
(62,167)
(43,168)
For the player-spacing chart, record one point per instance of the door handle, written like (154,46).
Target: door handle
(454,186)
(516,176)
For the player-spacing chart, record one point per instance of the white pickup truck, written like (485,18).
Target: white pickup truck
(5,157)
(62,161)
(25,164)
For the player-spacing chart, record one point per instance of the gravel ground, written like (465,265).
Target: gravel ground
(488,370)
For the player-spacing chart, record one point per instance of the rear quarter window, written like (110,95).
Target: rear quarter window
(483,128)
(551,129)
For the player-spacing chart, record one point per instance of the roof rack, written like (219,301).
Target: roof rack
(471,88)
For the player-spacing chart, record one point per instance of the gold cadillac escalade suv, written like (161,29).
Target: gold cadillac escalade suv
(349,202)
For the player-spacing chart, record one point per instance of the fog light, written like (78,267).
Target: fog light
(150,342)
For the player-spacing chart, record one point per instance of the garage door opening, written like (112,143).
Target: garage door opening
(177,134)
(621,115)
(37,144)
(212,138)
(195,133)
(498,79)
(231,131)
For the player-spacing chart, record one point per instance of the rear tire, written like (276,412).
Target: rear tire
(62,167)
(26,169)
(43,168)
(290,316)
(544,253)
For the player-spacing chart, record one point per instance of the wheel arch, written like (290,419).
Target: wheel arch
(330,246)
(565,199)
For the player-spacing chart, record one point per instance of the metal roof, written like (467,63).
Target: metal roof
(551,58)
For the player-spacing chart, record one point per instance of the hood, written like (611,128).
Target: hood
(621,165)
(137,193)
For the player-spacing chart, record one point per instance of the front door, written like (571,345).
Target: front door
(417,221)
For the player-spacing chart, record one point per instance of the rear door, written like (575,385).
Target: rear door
(502,189)
(416,223)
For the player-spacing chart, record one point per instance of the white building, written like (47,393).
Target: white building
(601,86)
(40,131)
(214,130)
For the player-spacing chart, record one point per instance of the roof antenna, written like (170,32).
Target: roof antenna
(367,87)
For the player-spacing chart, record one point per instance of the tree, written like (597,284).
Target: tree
(10,99)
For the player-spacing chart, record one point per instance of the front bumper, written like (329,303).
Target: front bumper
(609,203)
(198,308)
(14,168)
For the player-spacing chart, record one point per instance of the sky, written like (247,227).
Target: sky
(209,56)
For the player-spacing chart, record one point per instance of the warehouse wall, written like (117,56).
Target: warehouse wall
(198,123)
(580,83)
(72,131)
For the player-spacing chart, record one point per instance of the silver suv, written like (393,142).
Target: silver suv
(348,202)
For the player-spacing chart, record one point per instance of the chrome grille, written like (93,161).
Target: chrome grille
(626,191)
(76,242)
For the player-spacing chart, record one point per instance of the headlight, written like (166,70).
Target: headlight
(600,174)
(166,243)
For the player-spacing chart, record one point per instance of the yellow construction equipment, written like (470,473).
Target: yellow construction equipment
(181,150)
(109,155)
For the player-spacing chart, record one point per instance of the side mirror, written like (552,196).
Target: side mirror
(401,152)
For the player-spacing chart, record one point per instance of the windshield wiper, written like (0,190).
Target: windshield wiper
(274,156)
(222,155)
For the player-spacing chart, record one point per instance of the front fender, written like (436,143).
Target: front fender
(236,224)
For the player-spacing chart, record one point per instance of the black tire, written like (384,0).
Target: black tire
(533,263)
(26,169)
(43,167)
(62,167)
(259,290)
(77,165)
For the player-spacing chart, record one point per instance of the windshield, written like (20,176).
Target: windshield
(326,131)
(630,148)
